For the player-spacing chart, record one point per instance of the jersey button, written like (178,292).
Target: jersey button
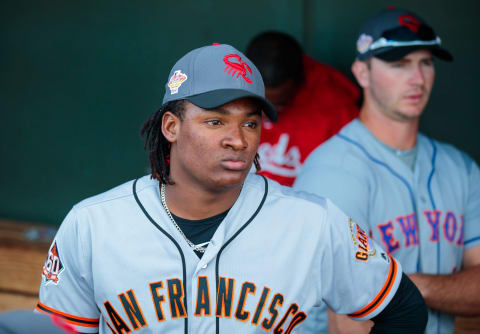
(204,266)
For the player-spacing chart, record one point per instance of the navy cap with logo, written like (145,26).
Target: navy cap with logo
(214,75)
(393,33)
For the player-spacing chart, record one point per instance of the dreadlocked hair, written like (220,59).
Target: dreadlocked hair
(158,145)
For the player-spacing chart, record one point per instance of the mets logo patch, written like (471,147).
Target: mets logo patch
(53,266)
(176,81)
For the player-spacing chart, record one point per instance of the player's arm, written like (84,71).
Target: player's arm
(406,310)
(365,282)
(457,293)
(66,290)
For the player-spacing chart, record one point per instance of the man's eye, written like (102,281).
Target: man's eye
(428,62)
(252,124)
(213,122)
(398,64)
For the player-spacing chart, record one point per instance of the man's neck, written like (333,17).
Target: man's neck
(195,203)
(401,135)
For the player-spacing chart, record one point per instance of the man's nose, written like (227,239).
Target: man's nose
(235,138)
(417,75)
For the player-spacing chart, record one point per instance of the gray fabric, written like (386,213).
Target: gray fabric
(407,156)
(27,322)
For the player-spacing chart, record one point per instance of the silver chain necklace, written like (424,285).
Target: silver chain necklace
(199,248)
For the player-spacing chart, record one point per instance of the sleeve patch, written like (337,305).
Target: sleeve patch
(360,240)
(53,266)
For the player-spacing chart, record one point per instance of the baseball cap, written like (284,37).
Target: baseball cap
(393,33)
(214,75)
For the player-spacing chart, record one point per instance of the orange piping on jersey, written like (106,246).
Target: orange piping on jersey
(380,297)
(71,319)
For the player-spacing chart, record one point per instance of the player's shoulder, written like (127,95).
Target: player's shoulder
(446,153)
(283,197)
(123,191)
(343,149)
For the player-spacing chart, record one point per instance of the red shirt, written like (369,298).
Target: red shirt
(324,103)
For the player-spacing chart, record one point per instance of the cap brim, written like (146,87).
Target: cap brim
(397,53)
(219,97)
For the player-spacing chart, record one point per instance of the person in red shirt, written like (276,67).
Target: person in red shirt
(314,101)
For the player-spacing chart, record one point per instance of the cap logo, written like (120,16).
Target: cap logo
(410,22)
(176,81)
(239,68)
(363,43)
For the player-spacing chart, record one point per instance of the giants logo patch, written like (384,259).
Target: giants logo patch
(360,240)
(53,267)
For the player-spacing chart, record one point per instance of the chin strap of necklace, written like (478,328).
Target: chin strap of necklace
(197,248)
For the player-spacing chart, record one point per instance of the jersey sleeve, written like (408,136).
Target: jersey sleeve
(472,213)
(342,186)
(358,277)
(67,289)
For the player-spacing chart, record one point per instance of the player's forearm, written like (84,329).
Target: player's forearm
(458,293)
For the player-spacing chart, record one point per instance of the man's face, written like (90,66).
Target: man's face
(401,89)
(214,149)
(283,94)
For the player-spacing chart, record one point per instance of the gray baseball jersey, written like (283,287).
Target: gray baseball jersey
(118,264)
(426,218)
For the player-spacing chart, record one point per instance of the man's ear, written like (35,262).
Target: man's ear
(170,126)
(361,71)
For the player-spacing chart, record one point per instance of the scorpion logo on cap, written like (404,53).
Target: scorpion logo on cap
(240,68)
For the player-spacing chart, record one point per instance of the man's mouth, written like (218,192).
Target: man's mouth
(415,98)
(234,164)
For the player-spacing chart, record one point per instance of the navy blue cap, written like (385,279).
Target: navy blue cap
(393,33)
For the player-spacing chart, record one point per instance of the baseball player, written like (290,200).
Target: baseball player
(204,246)
(419,198)
(313,100)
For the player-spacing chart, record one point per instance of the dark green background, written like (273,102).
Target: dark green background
(79,77)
